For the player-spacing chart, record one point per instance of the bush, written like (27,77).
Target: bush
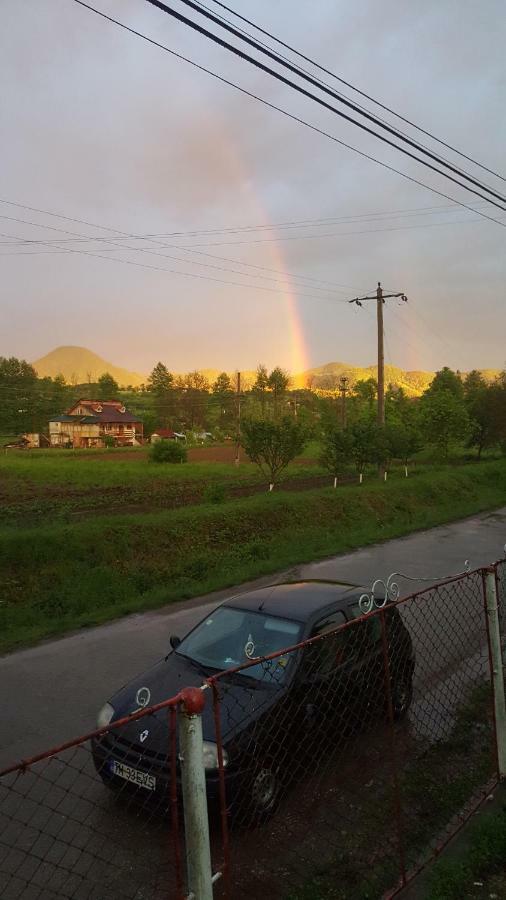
(167,451)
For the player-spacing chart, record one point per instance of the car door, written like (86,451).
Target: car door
(365,636)
(330,670)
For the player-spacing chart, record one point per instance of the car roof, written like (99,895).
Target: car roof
(297,600)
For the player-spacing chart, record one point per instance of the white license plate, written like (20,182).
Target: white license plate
(141,779)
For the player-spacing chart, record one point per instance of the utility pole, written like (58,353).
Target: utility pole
(380,298)
(343,390)
(238,440)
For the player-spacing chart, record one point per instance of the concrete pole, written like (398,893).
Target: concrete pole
(196,823)
(497,668)
(381,357)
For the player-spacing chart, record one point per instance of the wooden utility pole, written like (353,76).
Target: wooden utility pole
(343,390)
(238,440)
(380,298)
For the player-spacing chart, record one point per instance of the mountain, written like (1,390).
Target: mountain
(327,377)
(79,365)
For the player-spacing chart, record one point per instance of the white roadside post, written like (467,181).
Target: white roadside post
(196,823)
(497,668)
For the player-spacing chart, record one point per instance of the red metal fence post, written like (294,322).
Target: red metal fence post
(393,747)
(223,797)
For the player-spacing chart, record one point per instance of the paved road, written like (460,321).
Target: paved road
(51,692)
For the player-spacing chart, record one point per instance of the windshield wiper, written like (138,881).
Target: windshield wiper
(202,667)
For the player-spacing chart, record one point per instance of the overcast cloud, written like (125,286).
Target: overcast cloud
(98,125)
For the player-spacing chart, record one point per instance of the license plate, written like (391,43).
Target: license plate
(141,779)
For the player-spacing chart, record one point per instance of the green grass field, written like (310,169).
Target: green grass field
(62,575)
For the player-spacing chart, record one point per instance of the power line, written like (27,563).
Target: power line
(55,248)
(357,90)
(199,276)
(317,82)
(300,237)
(301,90)
(242,229)
(284,112)
(118,247)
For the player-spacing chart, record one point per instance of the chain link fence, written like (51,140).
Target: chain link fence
(335,767)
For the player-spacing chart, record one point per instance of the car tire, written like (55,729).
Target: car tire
(402,695)
(260,796)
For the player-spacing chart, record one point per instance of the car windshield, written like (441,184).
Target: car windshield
(230,637)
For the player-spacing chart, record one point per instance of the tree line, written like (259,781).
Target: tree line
(467,411)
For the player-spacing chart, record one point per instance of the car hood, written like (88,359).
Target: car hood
(242,700)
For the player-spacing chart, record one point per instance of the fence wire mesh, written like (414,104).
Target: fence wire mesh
(343,761)
(63,836)
(363,750)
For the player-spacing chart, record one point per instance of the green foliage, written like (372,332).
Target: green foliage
(486,854)
(405,440)
(272,446)
(167,452)
(336,450)
(363,446)
(222,385)
(447,381)
(108,388)
(97,569)
(161,380)
(444,416)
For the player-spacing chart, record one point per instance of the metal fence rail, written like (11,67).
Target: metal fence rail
(344,763)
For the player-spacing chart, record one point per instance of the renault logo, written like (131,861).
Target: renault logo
(143,735)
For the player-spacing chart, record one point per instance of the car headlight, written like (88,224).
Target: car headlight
(105,715)
(211,755)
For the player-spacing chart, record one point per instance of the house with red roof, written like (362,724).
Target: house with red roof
(96,423)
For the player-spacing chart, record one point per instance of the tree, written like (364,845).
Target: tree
(194,389)
(278,383)
(107,387)
(260,386)
(366,391)
(445,419)
(225,397)
(161,380)
(167,451)
(161,386)
(405,440)
(487,411)
(272,445)
(222,385)
(18,389)
(336,451)
(362,444)
(447,380)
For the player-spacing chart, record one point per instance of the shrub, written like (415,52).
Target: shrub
(167,451)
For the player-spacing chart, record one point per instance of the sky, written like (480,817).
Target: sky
(100,126)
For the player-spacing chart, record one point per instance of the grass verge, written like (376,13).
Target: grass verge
(435,784)
(485,859)
(59,577)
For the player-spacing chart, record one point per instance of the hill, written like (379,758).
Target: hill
(327,377)
(79,365)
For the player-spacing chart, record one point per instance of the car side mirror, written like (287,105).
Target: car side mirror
(174,641)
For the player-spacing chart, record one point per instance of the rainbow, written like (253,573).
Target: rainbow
(235,167)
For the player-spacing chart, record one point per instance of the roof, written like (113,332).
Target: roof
(105,411)
(297,600)
(165,432)
(64,418)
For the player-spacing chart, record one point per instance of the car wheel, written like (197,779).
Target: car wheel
(263,793)
(402,695)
